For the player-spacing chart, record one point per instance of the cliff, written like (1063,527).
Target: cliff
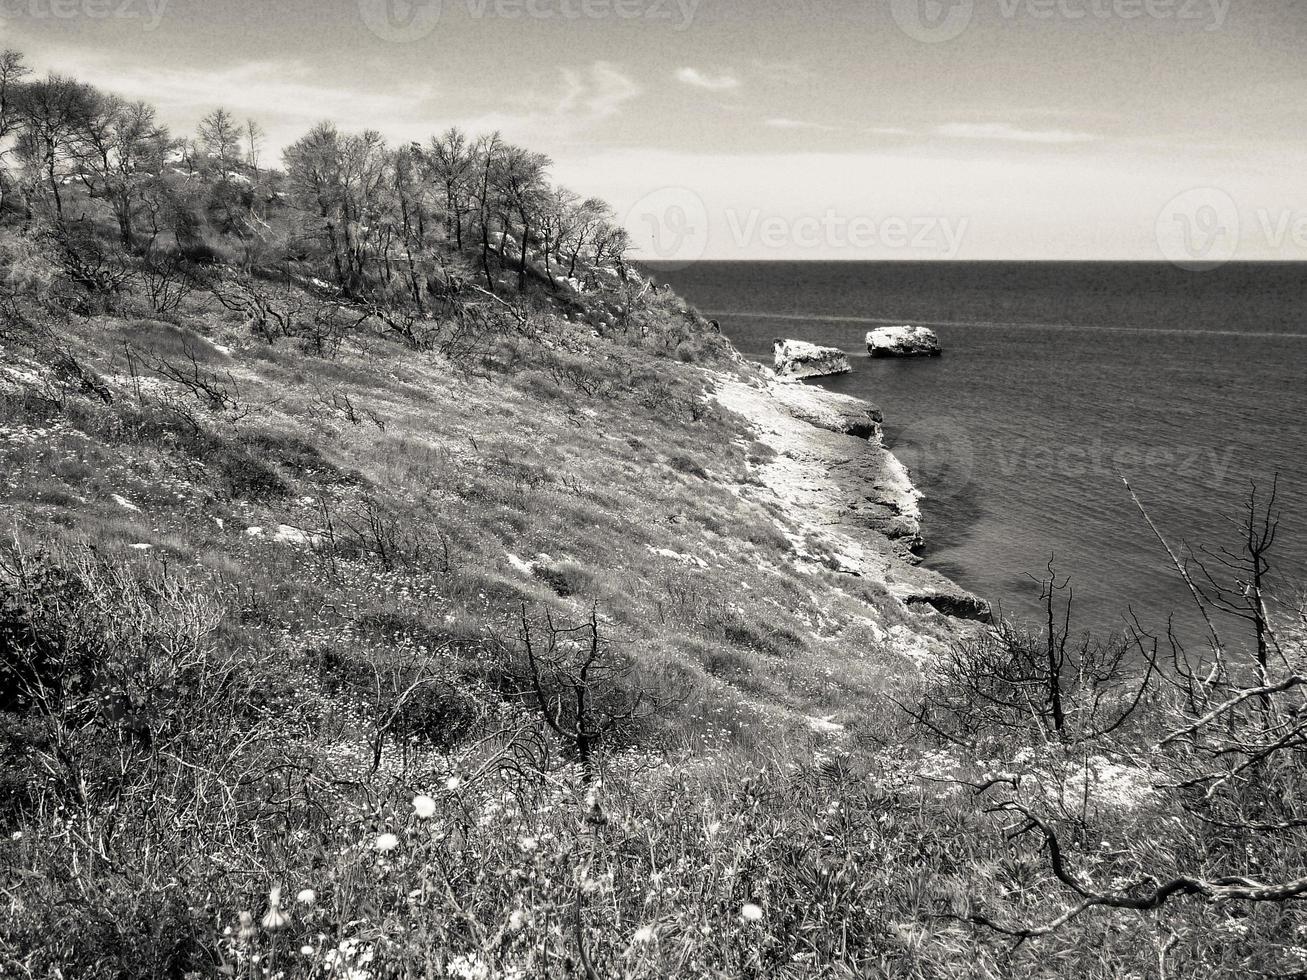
(849,498)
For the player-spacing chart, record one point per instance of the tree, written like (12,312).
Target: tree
(408,190)
(121,158)
(1228,755)
(575,678)
(555,213)
(486,154)
(220,136)
(521,186)
(314,166)
(53,115)
(451,165)
(582,224)
(12,72)
(254,137)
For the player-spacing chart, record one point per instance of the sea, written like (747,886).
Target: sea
(1058,382)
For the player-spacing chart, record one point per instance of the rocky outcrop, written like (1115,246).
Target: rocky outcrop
(903,341)
(830,410)
(800,359)
(851,501)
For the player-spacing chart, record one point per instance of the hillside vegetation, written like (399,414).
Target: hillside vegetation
(384,593)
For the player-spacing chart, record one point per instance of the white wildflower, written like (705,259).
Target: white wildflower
(750,912)
(386,842)
(424,806)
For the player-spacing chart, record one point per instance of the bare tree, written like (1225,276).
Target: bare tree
(12,71)
(254,138)
(1232,753)
(486,152)
(52,115)
(121,158)
(220,135)
(574,676)
(450,166)
(520,183)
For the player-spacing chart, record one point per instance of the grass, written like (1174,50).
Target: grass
(270,644)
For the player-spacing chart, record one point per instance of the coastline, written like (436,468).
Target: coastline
(850,502)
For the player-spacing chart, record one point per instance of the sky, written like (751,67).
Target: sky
(781,129)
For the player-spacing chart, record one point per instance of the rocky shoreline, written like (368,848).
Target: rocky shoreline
(853,502)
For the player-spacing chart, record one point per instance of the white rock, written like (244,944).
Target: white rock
(800,359)
(824,725)
(904,341)
(254,532)
(286,534)
(124,502)
(525,567)
(684,559)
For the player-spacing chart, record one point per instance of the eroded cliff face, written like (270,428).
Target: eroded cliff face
(852,502)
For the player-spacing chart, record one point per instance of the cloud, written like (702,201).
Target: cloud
(285,88)
(598,93)
(714,83)
(1006,131)
(782,122)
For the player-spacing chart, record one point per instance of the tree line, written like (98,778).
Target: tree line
(375,218)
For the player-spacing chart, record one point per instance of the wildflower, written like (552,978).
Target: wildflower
(386,842)
(16,835)
(275,917)
(528,844)
(452,783)
(424,806)
(306,949)
(248,931)
(644,934)
(750,912)
(517,920)
(306,896)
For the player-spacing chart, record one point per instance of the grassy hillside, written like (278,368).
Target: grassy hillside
(388,590)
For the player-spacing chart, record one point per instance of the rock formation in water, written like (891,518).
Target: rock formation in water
(800,359)
(903,341)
